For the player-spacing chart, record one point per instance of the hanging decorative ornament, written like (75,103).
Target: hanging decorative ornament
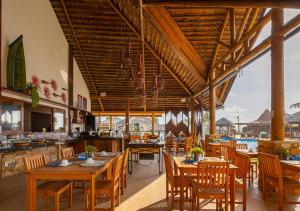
(35,81)
(63,97)
(161,80)
(53,84)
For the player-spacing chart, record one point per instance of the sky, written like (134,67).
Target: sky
(250,94)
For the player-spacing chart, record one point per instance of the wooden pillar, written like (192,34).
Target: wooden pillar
(110,122)
(193,118)
(212,103)
(277,77)
(99,126)
(232,32)
(70,85)
(153,123)
(127,117)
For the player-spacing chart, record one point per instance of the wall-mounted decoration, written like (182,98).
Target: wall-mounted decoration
(16,68)
(53,84)
(45,82)
(63,96)
(35,81)
(46,92)
(55,94)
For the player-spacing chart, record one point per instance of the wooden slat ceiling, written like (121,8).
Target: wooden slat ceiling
(97,33)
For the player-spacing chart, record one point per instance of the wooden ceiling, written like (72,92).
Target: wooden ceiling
(190,41)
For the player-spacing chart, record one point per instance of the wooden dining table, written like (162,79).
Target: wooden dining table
(71,172)
(292,165)
(187,168)
(251,154)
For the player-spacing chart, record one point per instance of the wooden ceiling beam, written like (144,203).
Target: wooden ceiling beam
(131,113)
(226,3)
(148,46)
(79,48)
(166,25)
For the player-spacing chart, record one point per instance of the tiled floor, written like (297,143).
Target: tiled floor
(145,191)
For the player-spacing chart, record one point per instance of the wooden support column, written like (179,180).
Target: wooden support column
(232,32)
(212,103)
(70,85)
(127,117)
(153,123)
(193,118)
(277,77)
(110,122)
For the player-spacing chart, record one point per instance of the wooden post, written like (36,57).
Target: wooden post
(232,32)
(99,126)
(110,122)
(70,85)
(277,77)
(127,118)
(153,123)
(193,118)
(212,103)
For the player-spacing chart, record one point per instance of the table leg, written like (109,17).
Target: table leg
(109,172)
(232,191)
(31,192)
(130,162)
(92,191)
(181,190)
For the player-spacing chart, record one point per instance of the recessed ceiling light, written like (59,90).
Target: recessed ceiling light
(102,94)
(183,100)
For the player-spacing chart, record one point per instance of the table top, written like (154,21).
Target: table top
(246,151)
(180,162)
(147,145)
(291,164)
(75,168)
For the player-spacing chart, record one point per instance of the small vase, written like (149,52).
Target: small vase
(196,157)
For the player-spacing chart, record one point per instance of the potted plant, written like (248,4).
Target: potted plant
(90,150)
(282,153)
(32,90)
(196,151)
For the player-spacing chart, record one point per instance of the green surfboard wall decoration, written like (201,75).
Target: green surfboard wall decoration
(16,68)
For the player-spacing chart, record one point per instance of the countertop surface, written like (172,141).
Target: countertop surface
(7,148)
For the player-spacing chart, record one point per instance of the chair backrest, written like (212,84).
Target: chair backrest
(117,168)
(189,141)
(270,166)
(169,140)
(213,174)
(125,160)
(67,152)
(231,154)
(242,146)
(34,161)
(242,162)
(169,169)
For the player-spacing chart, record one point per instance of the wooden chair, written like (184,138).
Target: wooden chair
(231,154)
(170,144)
(212,182)
(48,188)
(173,181)
(253,163)
(272,175)
(109,188)
(68,152)
(124,171)
(223,148)
(242,162)
(241,146)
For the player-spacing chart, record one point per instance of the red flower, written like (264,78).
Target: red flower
(53,84)
(35,81)
(46,92)
(63,97)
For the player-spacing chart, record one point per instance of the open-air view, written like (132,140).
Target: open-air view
(150,105)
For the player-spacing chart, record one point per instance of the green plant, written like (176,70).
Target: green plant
(197,150)
(283,153)
(33,93)
(213,140)
(89,150)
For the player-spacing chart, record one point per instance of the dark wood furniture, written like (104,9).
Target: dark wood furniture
(124,171)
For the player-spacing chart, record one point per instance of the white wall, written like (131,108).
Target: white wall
(45,46)
(80,87)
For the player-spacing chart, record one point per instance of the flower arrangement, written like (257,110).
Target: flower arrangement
(53,84)
(63,97)
(46,92)
(197,151)
(90,150)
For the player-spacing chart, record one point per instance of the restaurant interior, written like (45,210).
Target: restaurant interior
(103,105)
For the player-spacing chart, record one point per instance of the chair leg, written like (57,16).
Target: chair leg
(56,202)
(112,200)
(122,184)
(125,179)
(244,195)
(167,189)
(280,203)
(86,200)
(226,202)
(118,196)
(172,197)
(70,196)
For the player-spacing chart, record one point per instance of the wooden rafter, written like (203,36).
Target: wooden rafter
(148,46)
(81,53)
(227,3)
(164,22)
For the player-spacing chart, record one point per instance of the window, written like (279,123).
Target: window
(11,116)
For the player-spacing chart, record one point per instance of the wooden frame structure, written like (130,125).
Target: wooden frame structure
(201,45)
